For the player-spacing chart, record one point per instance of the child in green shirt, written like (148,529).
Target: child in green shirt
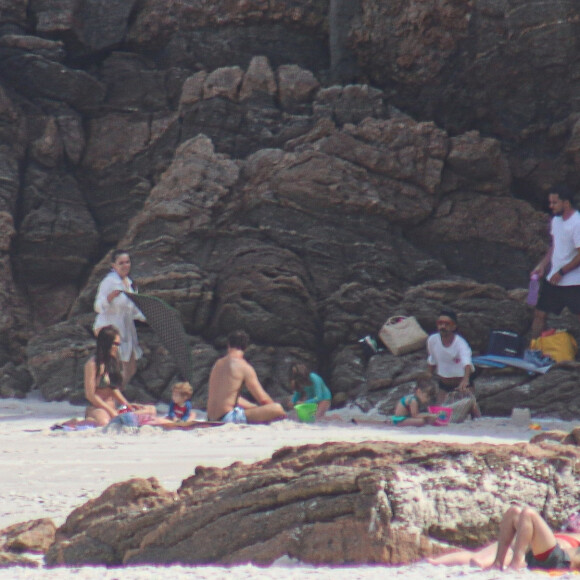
(309,388)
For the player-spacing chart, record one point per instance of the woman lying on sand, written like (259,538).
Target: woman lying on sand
(524,539)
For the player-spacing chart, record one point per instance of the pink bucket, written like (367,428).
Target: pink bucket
(443,415)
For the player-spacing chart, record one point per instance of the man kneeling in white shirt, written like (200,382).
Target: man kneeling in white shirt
(450,362)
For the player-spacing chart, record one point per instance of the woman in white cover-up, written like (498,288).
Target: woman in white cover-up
(113,307)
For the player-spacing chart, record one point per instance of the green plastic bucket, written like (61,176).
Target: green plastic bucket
(306,412)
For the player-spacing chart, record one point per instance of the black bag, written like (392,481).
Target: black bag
(504,343)
(370,346)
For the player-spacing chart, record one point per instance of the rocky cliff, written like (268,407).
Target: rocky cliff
(303,169)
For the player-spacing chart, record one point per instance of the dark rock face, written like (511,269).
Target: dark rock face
(336,503)
(469,64)
(37,76)
(301,169)
(53,202)
(221,34)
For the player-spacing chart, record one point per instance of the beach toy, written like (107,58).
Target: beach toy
(306,412)
(536,426)
(443,415)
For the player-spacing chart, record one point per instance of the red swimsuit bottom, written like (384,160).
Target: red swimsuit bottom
(574,543)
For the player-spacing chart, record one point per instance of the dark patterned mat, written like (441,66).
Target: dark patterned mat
(166,323)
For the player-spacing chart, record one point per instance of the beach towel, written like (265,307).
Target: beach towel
(166,323)
(554,572)
(501,362)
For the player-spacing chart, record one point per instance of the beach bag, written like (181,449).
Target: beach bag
(402,334)
(461,405)
(558,344)
(461,408)
(504,343)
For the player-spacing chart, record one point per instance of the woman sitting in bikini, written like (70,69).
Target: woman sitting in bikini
(103,379)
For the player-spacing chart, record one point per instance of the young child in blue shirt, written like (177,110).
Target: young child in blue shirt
(180,406)
(309,388)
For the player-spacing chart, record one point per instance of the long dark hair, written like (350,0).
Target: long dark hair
(105,339)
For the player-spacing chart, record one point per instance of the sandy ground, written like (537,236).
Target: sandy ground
(46,473)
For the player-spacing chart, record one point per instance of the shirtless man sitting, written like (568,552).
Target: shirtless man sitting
(226,379)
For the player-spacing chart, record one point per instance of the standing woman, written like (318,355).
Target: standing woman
(113,307)
(103,381)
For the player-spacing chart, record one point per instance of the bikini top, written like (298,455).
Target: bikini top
(407,400)
(104,382)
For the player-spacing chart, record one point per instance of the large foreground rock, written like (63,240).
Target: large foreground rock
(336,503)
(24,538)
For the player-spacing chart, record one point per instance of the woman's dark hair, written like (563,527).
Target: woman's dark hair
(105,339)
(116,253)
(299,375)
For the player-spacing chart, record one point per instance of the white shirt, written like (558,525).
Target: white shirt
(565,244)
(449,361)
(120,313)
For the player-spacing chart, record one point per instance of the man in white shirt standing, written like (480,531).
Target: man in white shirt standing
(561,285)
(450,359)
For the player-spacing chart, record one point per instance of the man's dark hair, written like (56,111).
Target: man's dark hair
(449,313)
(238,339)
(564,192)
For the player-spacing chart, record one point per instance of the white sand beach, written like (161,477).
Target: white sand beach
(46,473)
